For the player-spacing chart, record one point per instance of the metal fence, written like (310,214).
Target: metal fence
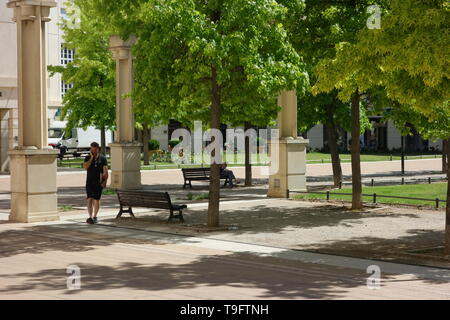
(374,196)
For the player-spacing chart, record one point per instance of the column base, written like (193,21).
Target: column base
(125,166)
(288,167)
(33,185)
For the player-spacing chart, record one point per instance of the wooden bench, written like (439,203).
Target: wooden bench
(198,174)
(148,199)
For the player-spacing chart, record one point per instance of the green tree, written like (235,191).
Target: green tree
(91,100)
(332,73)
(205,60)
(407,57)
(314,33)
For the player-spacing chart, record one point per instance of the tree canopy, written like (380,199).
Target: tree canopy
(91,100)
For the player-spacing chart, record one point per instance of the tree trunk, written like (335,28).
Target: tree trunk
(248,164)
(214,184)
(403,154)
(356,159)
(447,211)
(332,143)
(103,140)
(445,145)
(145,139)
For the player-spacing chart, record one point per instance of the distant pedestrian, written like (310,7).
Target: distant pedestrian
(97,177)
(226,173)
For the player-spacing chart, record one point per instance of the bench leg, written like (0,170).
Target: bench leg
(226,182)
(178,216)
(120,213)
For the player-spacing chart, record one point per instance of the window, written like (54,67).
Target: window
(55,133)
(65,87)
(67,56)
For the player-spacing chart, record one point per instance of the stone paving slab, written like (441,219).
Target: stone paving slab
(113,268)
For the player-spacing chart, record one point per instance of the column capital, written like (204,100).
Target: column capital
(121,48)
(31,9)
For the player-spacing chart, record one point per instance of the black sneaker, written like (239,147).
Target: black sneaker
(95,219)
(90,221)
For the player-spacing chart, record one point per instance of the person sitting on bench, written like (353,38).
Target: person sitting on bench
(224,172)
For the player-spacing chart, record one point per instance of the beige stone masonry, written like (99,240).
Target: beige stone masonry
(288,155)
(32,163)
(125,151)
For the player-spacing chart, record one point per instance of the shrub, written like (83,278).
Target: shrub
(153,145)
(173,143)
(161,156)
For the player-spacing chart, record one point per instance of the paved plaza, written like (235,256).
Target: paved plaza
(266,249)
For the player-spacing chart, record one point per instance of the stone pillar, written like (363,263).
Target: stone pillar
(288,154)
(33,164)
(125,151)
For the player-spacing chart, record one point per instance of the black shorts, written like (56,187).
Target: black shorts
(94,191)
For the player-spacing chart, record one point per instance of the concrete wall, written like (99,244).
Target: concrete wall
(437,145)
(53,48)
(162,135)
(315,137)
(8,84)
(394,138)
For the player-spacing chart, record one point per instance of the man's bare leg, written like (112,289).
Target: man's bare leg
(96,207)
(90,206)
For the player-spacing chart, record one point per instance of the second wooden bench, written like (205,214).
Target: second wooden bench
(148,199)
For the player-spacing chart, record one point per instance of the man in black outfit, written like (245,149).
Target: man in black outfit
(97,177)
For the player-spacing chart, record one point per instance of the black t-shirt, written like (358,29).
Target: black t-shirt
(95,170)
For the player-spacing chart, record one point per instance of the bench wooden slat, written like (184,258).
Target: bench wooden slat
(197,174)
(147,199)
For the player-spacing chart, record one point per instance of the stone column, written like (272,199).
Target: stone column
(125,151)
(288,154)
(33,163)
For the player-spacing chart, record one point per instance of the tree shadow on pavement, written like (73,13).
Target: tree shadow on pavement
(243,277)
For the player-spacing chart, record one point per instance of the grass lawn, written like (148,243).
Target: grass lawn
(317,157)
(425,191)
(262,159)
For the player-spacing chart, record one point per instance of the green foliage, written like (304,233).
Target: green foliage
(173,143)
(180,42)
(91,101)
(153,145)
(411,53)
(407,58)
(314,32)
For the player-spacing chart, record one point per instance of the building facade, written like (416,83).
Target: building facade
(383,136)
(56,54)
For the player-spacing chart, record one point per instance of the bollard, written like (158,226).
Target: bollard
(373,182)
(429,180)
(374,198)
(437,203)
(328,195)
(403,181)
